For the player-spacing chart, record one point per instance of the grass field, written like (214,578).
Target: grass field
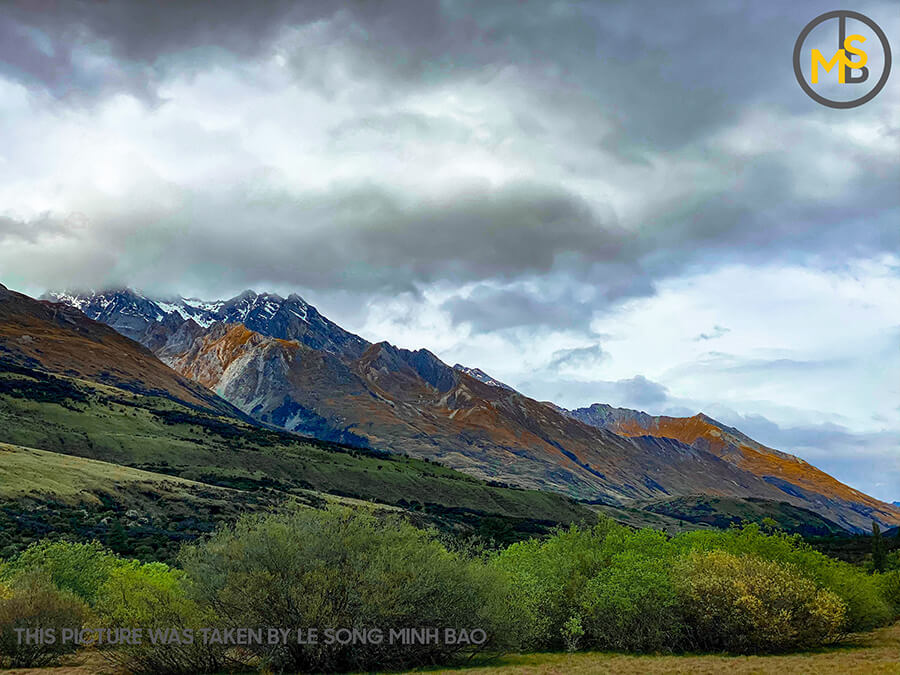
(875,653)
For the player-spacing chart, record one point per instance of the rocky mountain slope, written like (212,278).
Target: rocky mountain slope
(320,380)
(411,402)
(790,474)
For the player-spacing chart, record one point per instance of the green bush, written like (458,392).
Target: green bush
(81,568)
(746,604)
(347,569)
(889,585)
(31,601)
(632,605)
(572,632)
(152,596)
(549,578)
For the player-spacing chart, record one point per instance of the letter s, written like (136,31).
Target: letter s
(848,47)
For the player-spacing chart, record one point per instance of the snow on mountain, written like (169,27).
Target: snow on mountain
(138,316)
(481,376)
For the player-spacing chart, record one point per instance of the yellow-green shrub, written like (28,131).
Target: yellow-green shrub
(746,604)
(81,568)
(152,596)
(865,606)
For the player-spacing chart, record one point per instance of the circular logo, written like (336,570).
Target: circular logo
(840,59)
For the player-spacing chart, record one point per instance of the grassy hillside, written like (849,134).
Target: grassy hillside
(72,480)
(167,438)
(47,494)
(726,511)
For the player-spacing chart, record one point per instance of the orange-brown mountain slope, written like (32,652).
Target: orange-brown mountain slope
(789,473)
(59,339)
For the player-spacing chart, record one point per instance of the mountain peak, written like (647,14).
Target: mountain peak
(141,318)
(481,376)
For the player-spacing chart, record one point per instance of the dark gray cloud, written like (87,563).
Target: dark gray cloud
(43,43)
(358,238)
(680,71)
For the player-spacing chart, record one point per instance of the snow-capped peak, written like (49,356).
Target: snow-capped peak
(481,376)
(133,314)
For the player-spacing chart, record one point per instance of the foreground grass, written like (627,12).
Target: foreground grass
(875,653)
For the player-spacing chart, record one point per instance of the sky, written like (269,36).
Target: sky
(622,202)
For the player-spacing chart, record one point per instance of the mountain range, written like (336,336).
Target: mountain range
(282,363)
(95,430)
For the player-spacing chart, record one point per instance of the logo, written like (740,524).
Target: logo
(850,60)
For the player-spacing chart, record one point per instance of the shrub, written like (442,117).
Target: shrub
(31,601)
(866,608)
(347,569)
(892,561)
(152,596)
(632,605)
(572,632)
(550,576)
(889,585)
(747,604)
(132,590)
(81,568)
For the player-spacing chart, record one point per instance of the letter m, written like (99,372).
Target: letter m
(817,59)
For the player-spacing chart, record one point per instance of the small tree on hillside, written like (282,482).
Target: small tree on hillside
(117,538)
(879,554)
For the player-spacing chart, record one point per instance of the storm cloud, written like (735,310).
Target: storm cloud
(425,141)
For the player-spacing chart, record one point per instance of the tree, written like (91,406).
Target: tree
(118,538)
(879,554)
